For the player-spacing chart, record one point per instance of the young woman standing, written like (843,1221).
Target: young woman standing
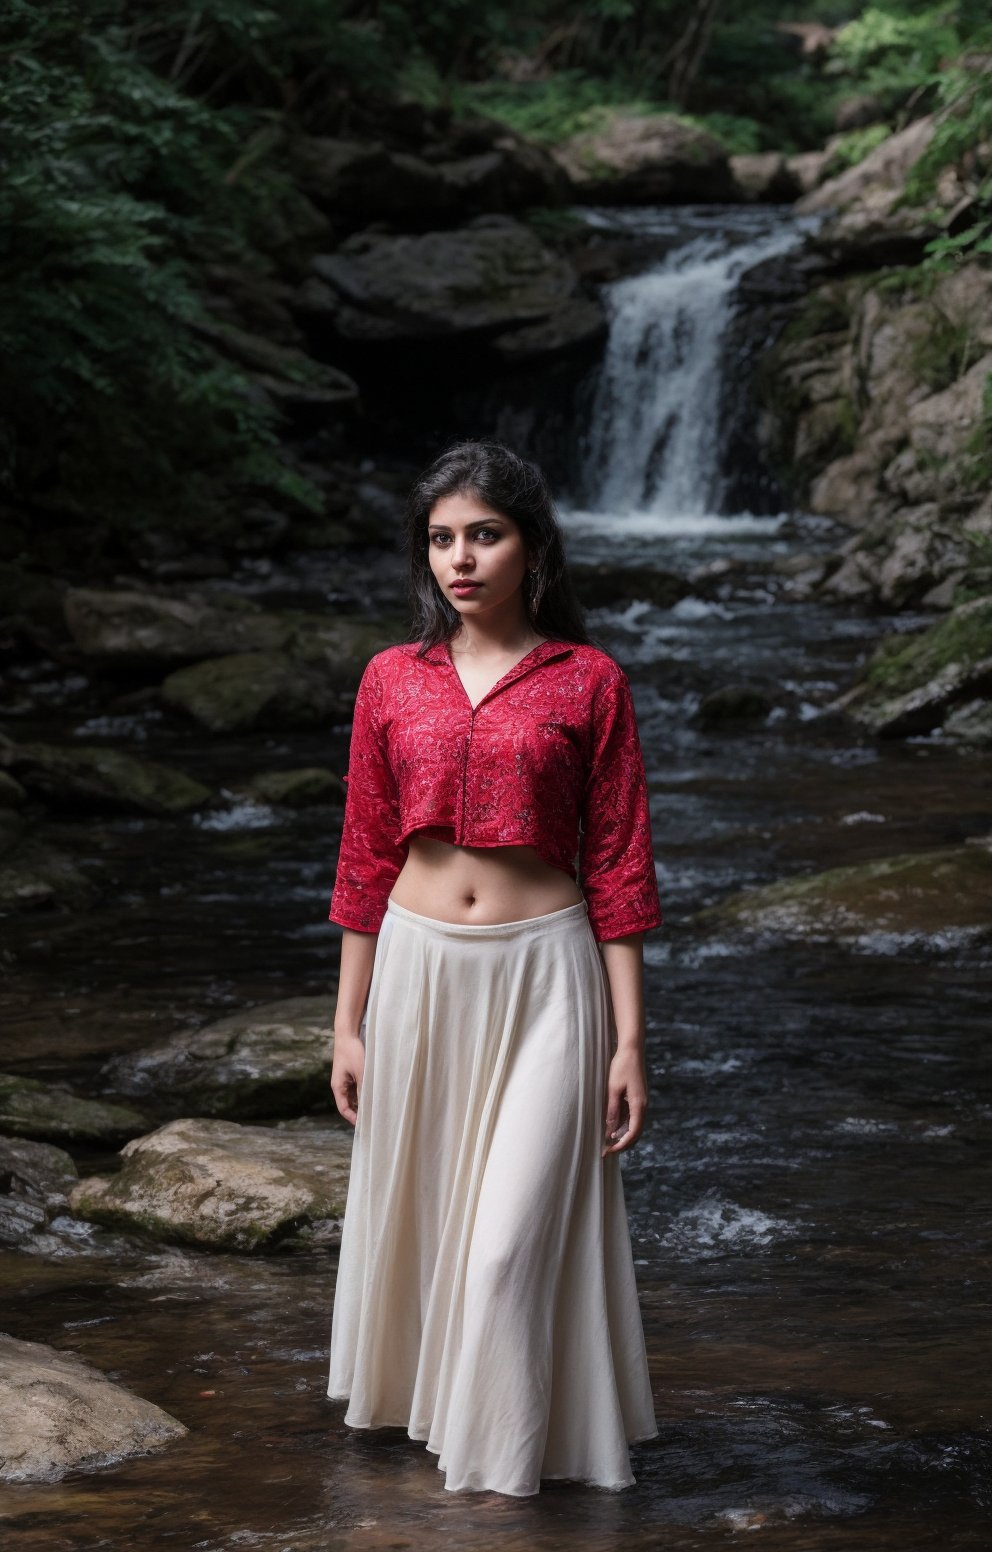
(489,1027)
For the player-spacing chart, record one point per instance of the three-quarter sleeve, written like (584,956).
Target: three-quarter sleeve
(616,855)
(370,856)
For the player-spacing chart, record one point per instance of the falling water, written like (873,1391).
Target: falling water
(653,441)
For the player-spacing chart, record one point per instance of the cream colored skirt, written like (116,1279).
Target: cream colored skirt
(485,1298)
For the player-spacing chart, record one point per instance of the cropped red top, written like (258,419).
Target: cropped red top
(550,758)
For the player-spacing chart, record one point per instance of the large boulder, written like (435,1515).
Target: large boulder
(868,225)
(59,1414)
(266,1061)
(911,684)
(487,278)
(917,895)
(217,1184)
(638,159)
(35,1181)
(29,1108)
(255,690)
(365,180)
(97,780)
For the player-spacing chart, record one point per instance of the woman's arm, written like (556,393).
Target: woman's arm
(627,1088)
(354,979)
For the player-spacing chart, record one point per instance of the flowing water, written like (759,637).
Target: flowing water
(808,1203)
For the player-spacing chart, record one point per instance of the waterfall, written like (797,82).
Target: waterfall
(652,446)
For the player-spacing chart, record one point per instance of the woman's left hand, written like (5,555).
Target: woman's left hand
(626,1100)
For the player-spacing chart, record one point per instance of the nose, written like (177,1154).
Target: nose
(461,552)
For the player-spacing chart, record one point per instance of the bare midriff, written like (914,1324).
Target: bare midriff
(480,885)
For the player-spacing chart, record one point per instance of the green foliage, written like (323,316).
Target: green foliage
(852,148)
(117,188)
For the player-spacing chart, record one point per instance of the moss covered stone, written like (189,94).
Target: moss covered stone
(29,1108)
(217,1184)
(918,893)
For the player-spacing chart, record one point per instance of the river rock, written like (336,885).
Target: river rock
(910,684)
(602,585)
(29,1108)
(293,789)
(765,177)
(808,168)
(12,794)
(33,874)
(637,159)
(734,703)
(35,1181)
(214,1183)
(265,1061)
(487,277)
(920,894)
(98,780)
(263,690)
(971,722)
(59,1414)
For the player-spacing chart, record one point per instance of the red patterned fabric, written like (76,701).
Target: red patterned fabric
(549,758)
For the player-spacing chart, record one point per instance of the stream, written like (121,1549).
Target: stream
(809,1201)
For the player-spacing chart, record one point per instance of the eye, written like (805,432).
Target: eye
(493,532)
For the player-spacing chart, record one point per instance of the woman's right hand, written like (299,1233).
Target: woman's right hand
(347,1070)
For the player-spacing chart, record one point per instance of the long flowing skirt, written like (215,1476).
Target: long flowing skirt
(486,1298)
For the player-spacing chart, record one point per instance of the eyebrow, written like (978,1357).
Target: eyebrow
(481,522)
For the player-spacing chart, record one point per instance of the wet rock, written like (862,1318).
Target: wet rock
(765,177)
(578,323)
(633,159)
(96,780)
(34,875)
(734,703)
(900,561)
(971,722)
(364,180)
(133,628)
(925,894)
(294,789)
(136,628)
(58,1413)
(487,277)
(12,794)
(29,1108)
(214,1183)
(35,1181)
(601,585)
(266,1061)
(911,684)
(254,690)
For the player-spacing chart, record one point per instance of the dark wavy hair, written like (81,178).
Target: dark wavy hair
(503,481)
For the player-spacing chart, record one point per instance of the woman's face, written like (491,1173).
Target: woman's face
(471,543)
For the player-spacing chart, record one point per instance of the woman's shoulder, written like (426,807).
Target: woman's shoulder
(596,665)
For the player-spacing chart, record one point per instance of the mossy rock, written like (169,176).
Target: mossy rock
(95,780)
(219,1185)
(264,690)
(29,1108)
(919,894)
(910,684)
(266,1061)
(294,789)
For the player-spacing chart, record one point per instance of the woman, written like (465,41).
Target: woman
(485,1298)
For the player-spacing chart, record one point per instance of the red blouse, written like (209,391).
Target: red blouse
(550,758)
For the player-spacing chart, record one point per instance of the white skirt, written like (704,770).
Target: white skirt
(486,1299)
